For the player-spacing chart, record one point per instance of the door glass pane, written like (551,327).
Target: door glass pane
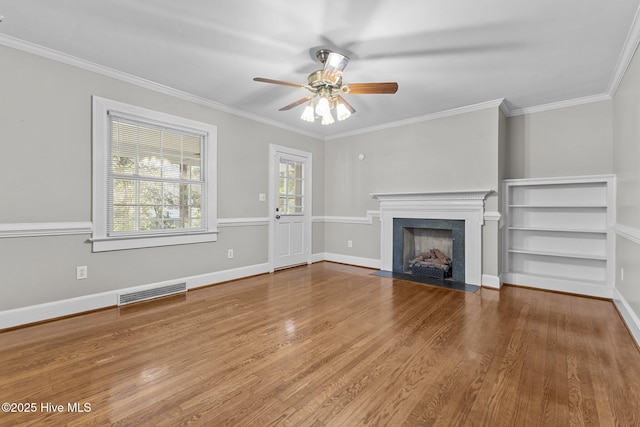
(291,187)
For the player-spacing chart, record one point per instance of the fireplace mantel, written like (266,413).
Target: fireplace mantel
(467,205)
(433,195)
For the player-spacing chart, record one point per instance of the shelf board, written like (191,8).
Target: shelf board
(559,206)
(559,254)
(560,230)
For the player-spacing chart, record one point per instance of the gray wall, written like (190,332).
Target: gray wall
(569,141)
(45,171)
(452,153)
(626,165)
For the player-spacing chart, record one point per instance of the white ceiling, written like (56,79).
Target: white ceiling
(443,54)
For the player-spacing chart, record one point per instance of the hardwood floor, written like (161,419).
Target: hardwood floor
(329,344)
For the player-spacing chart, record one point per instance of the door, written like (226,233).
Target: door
(290,207)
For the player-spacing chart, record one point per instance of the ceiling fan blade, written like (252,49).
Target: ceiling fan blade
(296,103)
(334,66)
(366,88)
(278,82)
(346,104)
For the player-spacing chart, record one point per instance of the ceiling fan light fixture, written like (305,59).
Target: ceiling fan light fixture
(308,114)
(327,119)
(323,106)
(334,67)
(342,112)
(327,89)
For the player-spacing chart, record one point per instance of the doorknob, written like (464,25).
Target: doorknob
(277,216)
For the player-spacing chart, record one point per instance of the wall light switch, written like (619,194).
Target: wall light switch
(262,197)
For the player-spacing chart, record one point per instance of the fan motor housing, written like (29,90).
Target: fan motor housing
(315,81)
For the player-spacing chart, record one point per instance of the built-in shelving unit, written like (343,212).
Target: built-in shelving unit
(557,233)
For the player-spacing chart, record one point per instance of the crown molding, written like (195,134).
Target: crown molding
(419,119)
(624,60)
(505,107)
(560,104)
(626,55)
(64,58)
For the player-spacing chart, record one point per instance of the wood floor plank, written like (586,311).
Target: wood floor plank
(327,345)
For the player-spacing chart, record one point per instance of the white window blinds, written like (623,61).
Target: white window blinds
(155,178)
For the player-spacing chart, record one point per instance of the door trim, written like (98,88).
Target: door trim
(274,149)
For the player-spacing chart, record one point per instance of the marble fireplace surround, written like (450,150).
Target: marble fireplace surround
(466,205)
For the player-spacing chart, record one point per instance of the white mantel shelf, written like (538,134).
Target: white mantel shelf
(433,195)
(467,205)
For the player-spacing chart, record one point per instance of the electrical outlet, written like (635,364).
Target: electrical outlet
(82,272)
(349,243)
(230,253)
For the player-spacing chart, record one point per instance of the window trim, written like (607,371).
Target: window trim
(101,240)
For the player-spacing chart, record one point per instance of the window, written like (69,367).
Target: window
(290,188)
(154,178)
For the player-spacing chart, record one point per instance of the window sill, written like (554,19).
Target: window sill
(105,244)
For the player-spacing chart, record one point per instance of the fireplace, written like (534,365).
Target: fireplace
(461,211)
(429,248)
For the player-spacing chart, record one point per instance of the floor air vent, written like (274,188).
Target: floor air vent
(147,294)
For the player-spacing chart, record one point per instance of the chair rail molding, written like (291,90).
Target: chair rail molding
(368,219)
(629,233)
(242,222)
(38,229)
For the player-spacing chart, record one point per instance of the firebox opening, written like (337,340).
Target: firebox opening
(429,248)
(428,252)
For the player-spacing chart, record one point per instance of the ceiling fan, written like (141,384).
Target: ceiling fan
(326,89)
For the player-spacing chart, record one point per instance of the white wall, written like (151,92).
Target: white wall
(45,171)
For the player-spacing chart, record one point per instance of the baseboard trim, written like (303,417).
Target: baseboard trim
(53,310)
(72,306)
(628,316)
(347,259)
(226,275)
(489,281)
